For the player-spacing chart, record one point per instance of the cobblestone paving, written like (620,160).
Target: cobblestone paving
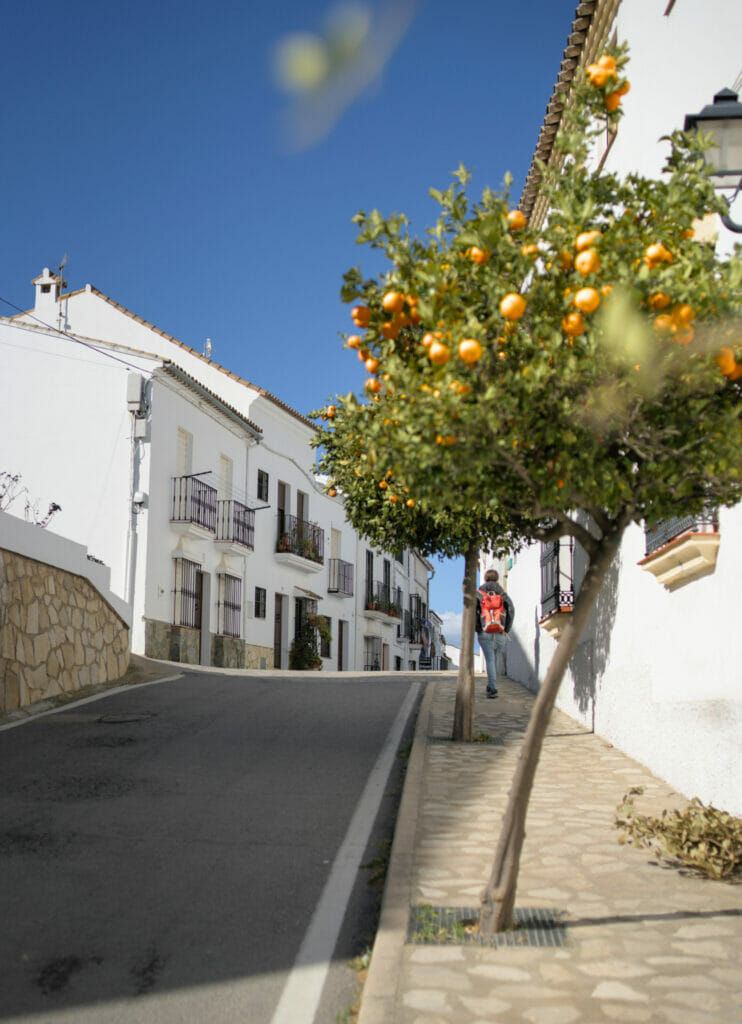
(645,942)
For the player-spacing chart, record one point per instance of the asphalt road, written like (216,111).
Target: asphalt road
(163,851)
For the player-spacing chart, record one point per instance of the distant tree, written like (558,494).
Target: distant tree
(581,377)
(11,488)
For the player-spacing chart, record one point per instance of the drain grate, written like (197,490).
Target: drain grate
(533,926)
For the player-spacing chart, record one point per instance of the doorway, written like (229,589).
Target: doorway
(278,631)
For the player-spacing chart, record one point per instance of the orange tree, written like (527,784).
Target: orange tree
(382,508)
(576,378)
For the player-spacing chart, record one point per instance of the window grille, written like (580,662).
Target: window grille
(557,576)
(372,654)
(229,605)
(263,485)
(341,577)
(186,594)
(260,595)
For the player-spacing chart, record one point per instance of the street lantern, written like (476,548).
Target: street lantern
(722,120)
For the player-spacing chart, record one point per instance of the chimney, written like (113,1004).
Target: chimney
(48,289)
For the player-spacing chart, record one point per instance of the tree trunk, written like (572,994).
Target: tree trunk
(463,715)
(498,898)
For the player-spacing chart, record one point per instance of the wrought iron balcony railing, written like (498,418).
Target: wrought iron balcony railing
(341,577)
(194,502)
(298,537)
(668,529)
(235,524)
(413,628)
(380,597)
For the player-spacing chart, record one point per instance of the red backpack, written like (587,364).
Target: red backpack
(492,612)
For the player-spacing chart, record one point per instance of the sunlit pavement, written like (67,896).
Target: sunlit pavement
(644,942)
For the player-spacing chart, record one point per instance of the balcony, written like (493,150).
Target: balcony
(194,507)
(300,544)
(341,578)
(235,527)
(681,550)
(413,629)
(382,604)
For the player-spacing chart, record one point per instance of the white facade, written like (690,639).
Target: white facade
(657,672)
(195,487)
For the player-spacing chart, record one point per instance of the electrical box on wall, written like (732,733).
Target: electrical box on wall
(135,393)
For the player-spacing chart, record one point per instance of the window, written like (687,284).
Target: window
(260,602)
(187,593)
(224,481)
(326,638)
(229,605)
(184,454)
(263,485)
(557,576)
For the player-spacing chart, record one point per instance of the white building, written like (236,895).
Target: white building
(657,672)
(197,489)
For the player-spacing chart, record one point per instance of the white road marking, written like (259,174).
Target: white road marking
(301,994)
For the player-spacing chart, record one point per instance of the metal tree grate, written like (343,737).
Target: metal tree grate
(533,926)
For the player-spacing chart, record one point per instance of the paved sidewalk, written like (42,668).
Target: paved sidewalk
(643,942)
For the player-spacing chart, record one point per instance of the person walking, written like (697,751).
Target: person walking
(490,643)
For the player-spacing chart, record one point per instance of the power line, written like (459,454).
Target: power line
(71,337)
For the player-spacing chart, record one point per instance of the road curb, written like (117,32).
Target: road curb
(380,989)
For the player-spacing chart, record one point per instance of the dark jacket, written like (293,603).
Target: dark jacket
(495,588)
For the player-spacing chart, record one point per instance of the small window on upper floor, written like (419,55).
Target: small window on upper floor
(263,485)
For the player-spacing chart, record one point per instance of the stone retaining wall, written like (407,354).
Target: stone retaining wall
(57,633)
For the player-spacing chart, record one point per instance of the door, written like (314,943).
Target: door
(341,644)
(278,631)
(198,600)
(281,497)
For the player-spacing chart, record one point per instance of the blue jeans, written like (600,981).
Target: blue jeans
(490,644)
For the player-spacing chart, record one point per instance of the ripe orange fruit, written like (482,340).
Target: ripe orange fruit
(657,253)
(683,314)
(439,353)
(393,302)
(565,259)
(332,492)
(361,315)
(516,220)
(410,503)
(587,300)
(427,340)
(686,336)
(587,262)
(470,351)
(331,412)
(607,62)
(393,498)
(374,385)
(390,330)
(383,484)
(353,341)
(658,300)
(586,239)
(726,361)
(623,88)
(512,306)
(663,324)
(477,255)
(530,250)
(606,289)
(599,75)
(573,324)
(372,364)
(613,101)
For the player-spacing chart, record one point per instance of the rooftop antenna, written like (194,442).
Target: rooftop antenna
(207,348)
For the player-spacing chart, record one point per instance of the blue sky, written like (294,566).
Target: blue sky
(147,142)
